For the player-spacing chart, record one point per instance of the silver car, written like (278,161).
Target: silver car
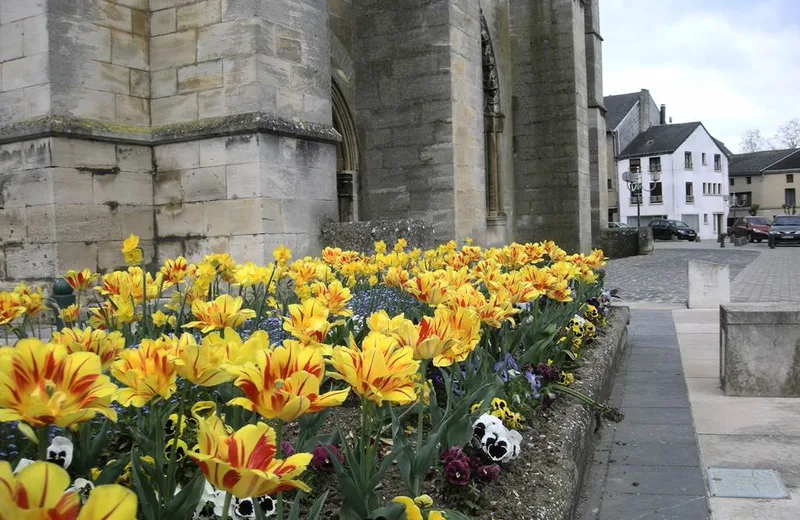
(785,230)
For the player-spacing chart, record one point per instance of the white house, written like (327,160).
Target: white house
(692,168)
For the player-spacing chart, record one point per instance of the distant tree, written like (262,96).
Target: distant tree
(753,141)
(788,134)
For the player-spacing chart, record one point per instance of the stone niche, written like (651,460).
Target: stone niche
(760,349)
(361,236)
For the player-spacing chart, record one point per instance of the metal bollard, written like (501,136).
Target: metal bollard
(63,296)
(721,240)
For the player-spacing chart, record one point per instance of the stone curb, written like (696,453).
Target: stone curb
(574,436)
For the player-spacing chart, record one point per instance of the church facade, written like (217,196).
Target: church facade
(239,125)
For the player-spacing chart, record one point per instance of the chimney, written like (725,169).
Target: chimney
(644,110)
(663,114)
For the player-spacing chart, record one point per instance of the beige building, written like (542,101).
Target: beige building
(765,182)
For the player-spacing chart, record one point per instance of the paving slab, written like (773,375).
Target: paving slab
(756,509)
(666,480)
(653,507)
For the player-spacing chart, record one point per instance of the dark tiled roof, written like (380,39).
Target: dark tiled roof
(659,140)
(790,162)
(754,163)
(617,107)
(722,147)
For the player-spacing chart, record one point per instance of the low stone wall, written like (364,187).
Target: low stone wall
(709,285)
(559,447)
(624,242)
(760,349)
(361,236)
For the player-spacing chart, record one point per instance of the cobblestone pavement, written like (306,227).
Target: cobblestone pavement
(772,277)
(661,277)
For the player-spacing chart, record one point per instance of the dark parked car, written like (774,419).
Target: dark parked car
(785,230)
(672,230)
(755,229)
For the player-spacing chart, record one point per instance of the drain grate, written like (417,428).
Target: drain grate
(745,483)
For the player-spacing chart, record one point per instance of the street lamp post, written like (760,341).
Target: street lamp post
(634,181)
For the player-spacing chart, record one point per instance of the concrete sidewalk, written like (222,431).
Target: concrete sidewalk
(737,432)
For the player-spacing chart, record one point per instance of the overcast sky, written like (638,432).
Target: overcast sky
(732,64)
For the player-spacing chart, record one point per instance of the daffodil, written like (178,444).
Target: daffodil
(412,508)
(146,372)
(107,345)
(282,255)
(160,319)
(244,463)
(80,280)
(379,370)
(131,250)
(284,383)
(225,311)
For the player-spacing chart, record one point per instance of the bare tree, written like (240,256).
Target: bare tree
(753,141)
(788,134)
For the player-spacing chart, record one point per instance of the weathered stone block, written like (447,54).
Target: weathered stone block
(247,248)
(83,102)
(132,110)
(307,216)
(12,105)
(140,83)
(173,50)
(132,158)
(167,188)
(141,23)
(200,77)
(163,22)
(25,72)
(178,156)
(77,153)
(204,184)
(233,217)
(84,39)
(181,220)
(760,349)
(75,255)
(30,261)
(72,186)
(106,77)
(37,153)
(12,224)
(129,50)
(227,39)
(11,157)
(157,5)
(11,41)
(27,188)
(164,83)
(141,5)
(199,14)
(37,101)
(12,10)
(709,285)
(243,181)
(174,109)
(361,236)
(111,15)
(230,150)
(123,188)
(40,223)
(139,221)
(75,223)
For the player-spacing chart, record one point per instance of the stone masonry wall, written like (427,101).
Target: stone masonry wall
(598,163)
(551,165)
(67,204)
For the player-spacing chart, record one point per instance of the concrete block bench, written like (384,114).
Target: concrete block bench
(760,349)
(709,285)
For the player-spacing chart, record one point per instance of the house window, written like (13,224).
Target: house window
(789,198)
(732,181)
(703,158)
(717,162)
(689,193)
(743,199)
(687,160)
(705,188)
(656,193)
(655,164)
(749,180)
(705,218)
(635,165)
(790,178)
(610,184)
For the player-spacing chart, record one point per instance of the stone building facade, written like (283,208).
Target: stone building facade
(239,125)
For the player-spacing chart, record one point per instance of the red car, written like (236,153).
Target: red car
(755,229)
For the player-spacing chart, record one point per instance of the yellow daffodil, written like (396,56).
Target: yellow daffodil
(160,319)
(244,462)
(223,312)
(282,255)
(106,345)
(379,370)
(308,321)
(43,384)
(412,508)
(284,383)
(80,280)
(70,313)
(131,250)
(11,307)
(146,372)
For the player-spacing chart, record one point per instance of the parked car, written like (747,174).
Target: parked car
(785,230)
(755,229)
(672,230)
(617,225)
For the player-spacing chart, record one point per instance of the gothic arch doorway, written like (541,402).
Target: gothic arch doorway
(346,156)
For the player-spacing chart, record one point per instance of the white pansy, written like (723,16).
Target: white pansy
(209,507)
(498,442)
(244,509)
(83,488)
(60,451)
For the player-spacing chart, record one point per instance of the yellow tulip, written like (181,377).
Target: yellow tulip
(284,383)
(131,250)
(175,271)
(334,297)
(308,321)
(244,462)
(207,364)
(80,280)
(70,313)
(379,370)
(110,502)
(38,491)
(42,384)
(282,254)
(463,326)
(11,307)
(223,312)
(146,372)
(106,345)
(30,298)
(428,288)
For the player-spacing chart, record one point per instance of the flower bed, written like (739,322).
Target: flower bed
(400,384)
